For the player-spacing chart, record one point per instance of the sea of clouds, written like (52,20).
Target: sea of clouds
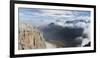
(72,19)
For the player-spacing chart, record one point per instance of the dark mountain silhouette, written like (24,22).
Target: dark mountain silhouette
(87,44)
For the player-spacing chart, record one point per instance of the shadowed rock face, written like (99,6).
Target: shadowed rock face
(30,37)
(68,35)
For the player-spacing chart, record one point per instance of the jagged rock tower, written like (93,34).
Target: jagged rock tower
(30,37)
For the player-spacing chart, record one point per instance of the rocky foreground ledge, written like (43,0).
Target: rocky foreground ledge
(30,37)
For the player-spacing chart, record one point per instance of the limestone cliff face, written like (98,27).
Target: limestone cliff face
(30,37)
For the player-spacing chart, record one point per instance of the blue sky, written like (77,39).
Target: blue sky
(46,16)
